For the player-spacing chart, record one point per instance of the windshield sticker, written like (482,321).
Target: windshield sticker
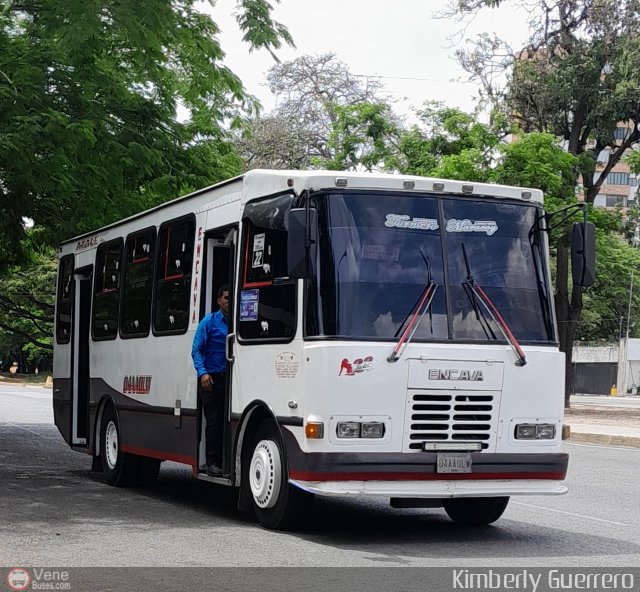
(489,227)
(357,366)
(258,250)
(405,221)
(249,305)
(380,253)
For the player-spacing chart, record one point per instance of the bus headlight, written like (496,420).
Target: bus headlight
(348,429)
(535,431)
(357,429)
(373,429)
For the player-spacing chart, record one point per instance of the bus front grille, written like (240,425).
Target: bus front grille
(444,417)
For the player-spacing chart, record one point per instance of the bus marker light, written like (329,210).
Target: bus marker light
(348,429)
(314,430)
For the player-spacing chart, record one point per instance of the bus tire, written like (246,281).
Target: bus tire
(475,511)
(120,469)
(277,504)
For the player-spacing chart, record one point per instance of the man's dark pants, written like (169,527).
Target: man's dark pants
(213,405)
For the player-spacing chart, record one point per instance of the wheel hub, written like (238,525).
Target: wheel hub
(265,472)
(111,445)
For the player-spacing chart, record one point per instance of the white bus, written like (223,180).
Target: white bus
(389,336)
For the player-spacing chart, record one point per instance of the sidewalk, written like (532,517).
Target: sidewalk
(604,420)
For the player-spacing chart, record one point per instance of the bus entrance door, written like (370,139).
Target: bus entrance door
(80,357)
(218,271)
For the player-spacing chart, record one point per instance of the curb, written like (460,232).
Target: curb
(604,439)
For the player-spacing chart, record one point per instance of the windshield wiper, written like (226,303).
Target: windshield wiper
(423,305)
(493,311)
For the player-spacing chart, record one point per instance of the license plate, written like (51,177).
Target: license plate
(454,463)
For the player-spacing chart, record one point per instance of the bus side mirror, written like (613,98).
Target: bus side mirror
(583,254)
(302,241)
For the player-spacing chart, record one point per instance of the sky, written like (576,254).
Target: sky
(399,41)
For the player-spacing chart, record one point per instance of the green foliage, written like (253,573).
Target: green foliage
(538,160)
(89,91)
(606,304)
(449,143)
(577,76)
(360,138)
(26,310)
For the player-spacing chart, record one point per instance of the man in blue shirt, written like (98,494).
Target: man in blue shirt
(210,362)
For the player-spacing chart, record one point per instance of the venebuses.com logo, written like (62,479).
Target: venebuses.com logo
(18,579)
(38,578)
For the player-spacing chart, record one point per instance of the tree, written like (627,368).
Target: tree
(89,93)
(26,313)
(606,304)
(575,79)
(317,98)
(451,144)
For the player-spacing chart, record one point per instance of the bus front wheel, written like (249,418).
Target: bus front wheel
(475,511)
(277,504)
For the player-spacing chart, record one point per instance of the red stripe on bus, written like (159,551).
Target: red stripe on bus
(313,476)
(179,458)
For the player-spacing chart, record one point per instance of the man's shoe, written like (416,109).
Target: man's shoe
(214,470)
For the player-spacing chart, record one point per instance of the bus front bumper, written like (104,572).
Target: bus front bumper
(415,474)
(432,489)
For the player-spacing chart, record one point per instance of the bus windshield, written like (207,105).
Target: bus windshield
(378,251)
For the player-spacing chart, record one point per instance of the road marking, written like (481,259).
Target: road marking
(573,514)
(48,406)
(15,425)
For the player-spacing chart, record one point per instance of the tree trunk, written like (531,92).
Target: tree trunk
(22,366)
(568,313)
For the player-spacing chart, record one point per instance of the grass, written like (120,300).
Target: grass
(10,378)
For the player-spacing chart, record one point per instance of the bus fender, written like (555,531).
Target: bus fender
(253,415)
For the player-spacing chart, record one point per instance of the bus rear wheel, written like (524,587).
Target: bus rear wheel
(475,511)
(121,469)
(277,504)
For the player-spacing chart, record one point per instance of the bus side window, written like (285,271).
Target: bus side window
(267,300)
(64,296)
(137,283)
(106,293)
(173,276)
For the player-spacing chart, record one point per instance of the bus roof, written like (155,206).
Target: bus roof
(262,182)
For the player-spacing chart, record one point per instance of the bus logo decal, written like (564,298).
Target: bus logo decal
(87,243)
(454,374)
(136,384)
(405,221)
(489,227)
(356,367)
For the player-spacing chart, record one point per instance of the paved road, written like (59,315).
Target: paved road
(54,511)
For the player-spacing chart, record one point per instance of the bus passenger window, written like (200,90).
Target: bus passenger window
(173,276)
(137,284)
(106,294)
(64,296)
